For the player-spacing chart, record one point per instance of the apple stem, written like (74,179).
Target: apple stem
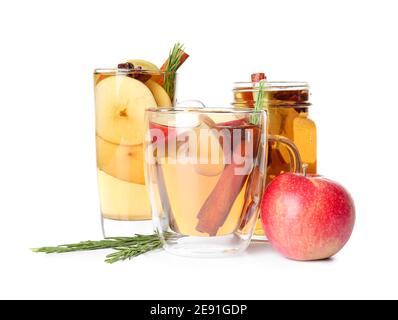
(305,169)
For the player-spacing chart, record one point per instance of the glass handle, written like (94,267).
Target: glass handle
(295,158)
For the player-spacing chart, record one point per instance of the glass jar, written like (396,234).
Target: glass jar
(288,106)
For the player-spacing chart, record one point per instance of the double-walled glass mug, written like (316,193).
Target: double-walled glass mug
(121,97)
(293,132)
(205,170)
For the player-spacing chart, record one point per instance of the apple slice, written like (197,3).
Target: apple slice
(210,153)
(120,109)
(121,161)
(160,95)
(304,137)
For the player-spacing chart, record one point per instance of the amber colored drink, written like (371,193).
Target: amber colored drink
(121,97)
(205,177)
(203,192)
(194,189)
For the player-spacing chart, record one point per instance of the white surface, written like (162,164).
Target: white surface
(347,50)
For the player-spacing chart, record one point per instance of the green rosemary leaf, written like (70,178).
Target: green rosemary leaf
(259,101)
(171,69)
(125,247)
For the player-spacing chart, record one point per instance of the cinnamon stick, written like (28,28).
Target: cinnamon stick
(184,57)
(257,77)
(217,206)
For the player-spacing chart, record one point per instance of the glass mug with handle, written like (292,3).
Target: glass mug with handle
(121,97)
(205,171)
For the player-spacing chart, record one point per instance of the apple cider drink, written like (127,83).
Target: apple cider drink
(205,177)
(121,97)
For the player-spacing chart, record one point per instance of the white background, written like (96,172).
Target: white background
(347,50)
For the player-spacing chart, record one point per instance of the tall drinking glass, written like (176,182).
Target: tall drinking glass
(205,170)
(121,97)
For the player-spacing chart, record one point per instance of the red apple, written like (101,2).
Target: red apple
(307,217)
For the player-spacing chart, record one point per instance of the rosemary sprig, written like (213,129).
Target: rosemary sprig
(258,104)
(126,247)
(171,68)
(129,252)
